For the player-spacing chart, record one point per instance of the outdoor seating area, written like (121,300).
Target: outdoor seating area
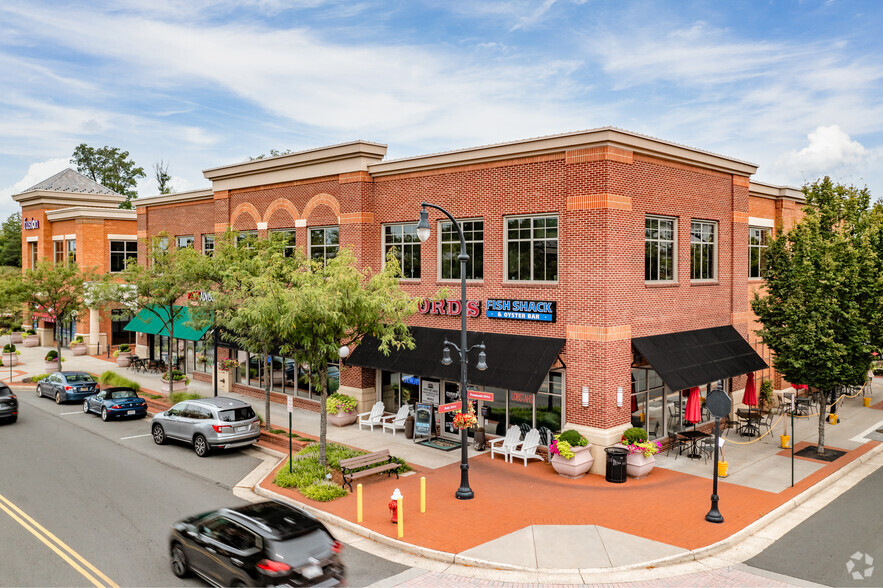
(148,366)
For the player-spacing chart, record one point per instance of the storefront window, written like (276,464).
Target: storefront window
(648,409)
(521,408)
(548,403)
(119,318)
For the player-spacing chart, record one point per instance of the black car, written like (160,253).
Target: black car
(263,544)
(8,404)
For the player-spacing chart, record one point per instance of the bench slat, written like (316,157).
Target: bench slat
(377,470)
(374,463)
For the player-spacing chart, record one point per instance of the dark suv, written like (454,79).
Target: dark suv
(8,404)
(263,544)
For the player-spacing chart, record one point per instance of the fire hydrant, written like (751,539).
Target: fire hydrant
(394,506)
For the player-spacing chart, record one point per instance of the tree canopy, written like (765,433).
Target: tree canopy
(10,241)
(110,167)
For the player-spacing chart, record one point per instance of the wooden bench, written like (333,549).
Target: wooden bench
(374,463)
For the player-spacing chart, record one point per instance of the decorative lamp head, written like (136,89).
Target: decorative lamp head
(423,227)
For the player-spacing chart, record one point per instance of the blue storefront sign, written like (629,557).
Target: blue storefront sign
(522,310)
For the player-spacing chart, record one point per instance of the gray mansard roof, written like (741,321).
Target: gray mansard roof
(70,181)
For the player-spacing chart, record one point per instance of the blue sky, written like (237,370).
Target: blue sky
(793,86)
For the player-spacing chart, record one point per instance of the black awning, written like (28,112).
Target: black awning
(692,358)
(514,362)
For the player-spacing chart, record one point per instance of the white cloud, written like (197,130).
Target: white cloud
(37,172)
(830,152)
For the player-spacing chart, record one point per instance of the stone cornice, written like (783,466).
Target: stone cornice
(75,212)
(176,198)
(55,198)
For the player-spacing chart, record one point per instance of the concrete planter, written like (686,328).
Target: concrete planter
(177,386)
(638,466)
(575,467)
(52,366)
(124,359)
(31,340)
(342,419)
(78,348)
(225,382)
(16,337)
(10,359)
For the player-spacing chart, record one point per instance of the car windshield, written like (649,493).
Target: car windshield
(237,414)
(79,379)
(115,394)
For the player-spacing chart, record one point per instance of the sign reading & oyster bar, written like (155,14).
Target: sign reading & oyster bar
(521,310)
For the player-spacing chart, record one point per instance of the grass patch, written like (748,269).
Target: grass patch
(37,378)
(111,378)
(155,396)
(309,477)
(294,436)
(176,397)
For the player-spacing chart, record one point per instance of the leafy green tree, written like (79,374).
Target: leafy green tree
(273,153)
(822,294)
(10,241)
(163,179)
(111,168)
(11,298)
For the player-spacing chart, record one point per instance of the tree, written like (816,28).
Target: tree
(57,289)
(10,241)
(823,293)
(273,153)
(111,168)
(163,179)
(11,298)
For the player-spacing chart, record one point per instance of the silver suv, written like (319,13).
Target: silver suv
(208,423)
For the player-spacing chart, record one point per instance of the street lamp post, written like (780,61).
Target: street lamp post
(464,492)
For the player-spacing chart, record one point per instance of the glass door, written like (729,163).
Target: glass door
(451,394)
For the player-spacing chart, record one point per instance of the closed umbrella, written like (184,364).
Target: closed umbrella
(634,403)
(749,398)
(693,412)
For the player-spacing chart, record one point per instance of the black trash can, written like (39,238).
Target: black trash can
(616,464)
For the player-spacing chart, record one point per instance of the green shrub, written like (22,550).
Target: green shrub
(51,356)
(634,435)
(324,491)
(37,378)
(30,332)
(574,438)
(155,396)
(176,397)
(111,378)
(177,376)
(78,339)
(124,348)
(9,348)
(337,403)
(878,371)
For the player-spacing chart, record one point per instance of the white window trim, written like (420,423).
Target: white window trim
(192,240)
(438,244)
(757,222)
(112,237)
(506,280)
(383,249)
(58,237)
(310,240)
(33,239)
(674,268)
(202,239)
(762,227)
(714,250)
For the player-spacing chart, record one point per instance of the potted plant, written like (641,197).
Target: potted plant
(31,339)
(341,409)
(123,355)
(225,379)
(640,460)
(766,395)
(78,346)
(10,355)
(16,336)
(53,362)
(179,381)
(201,358)
(571,455)
(465,420)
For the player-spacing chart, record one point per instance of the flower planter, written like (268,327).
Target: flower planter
(78,349)
(31,340)
(16,337)
(10,359)
(124,359)
(575,467)
(52,366)
(342,419)
(177,386)
(638,466)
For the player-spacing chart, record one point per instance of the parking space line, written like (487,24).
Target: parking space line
(67,413)
(135,436)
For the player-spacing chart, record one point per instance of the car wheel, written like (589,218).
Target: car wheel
(179,560)
(159,435)
(86,406)
(39,391)
(103,413)
(200,446)
(58,398)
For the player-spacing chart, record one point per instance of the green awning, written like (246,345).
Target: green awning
(153,321)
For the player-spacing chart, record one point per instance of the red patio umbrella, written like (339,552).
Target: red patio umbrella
(693,412)
(750,396)
(634,403)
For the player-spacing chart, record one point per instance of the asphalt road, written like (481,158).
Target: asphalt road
(101,497)
(819,549)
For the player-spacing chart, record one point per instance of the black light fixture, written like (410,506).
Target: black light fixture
(481,365)
(446,356)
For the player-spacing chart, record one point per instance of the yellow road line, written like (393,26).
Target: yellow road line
(7,506)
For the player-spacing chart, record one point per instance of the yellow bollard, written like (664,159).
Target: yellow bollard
(866,401)
(422,494)
(359,503)
(401,514)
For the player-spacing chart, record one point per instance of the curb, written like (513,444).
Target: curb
(696,555)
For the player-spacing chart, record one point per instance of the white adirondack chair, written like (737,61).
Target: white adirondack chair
(372,419)
(528,448)
(396,421)
(505,445)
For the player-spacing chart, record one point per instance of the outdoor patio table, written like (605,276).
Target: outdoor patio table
(751,417)
(693,437)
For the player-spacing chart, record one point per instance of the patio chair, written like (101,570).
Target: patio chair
(675,442)
(397,421)
(545,435)
(528,448)
(373,418)
(505,445)
(767,421)
(525,429)
(673,417)
(706,446)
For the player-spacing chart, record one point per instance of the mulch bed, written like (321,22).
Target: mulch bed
(809,452)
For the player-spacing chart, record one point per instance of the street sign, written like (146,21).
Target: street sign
(476,395)
(449,407)
(718,403)
(291,404)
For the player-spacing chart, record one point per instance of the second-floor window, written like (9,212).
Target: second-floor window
(758,238)
(324,242)
(208,245)
(703,250)
(246,238)
(473,232)
(403,239)
(33,250)
(182,241)
(659,249)
(287,238)
(120,252)
(58,247)
(532,248)
(72,251)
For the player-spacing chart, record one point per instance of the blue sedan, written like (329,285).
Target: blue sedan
(65,386)
(115,403)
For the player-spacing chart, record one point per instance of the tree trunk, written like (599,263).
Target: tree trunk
(822,397)
(323,414)
(58,350)
(171,346)
(269,380)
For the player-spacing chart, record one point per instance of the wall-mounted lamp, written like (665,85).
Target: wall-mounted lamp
(585,396)
(619,396)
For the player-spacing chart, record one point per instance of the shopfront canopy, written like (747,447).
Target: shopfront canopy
(514,362)
(692,358)
(155,319)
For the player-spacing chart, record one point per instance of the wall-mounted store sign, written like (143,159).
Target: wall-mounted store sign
(29,224)
(522,310)
(476,395)
(448,307)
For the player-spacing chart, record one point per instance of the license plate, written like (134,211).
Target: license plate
(310,572)
(130,412)
(241,429)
